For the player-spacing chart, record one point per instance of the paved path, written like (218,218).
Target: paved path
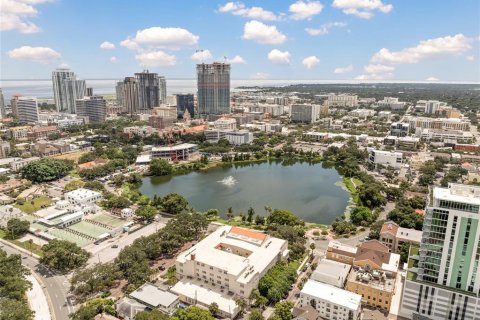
(56,286)
(38,300)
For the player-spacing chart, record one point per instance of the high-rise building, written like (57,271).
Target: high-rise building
(162,89)
(119,93)
(213,83)
(66,90)
(94,107)
(443,280)
(26,109)
(148,91)
(89,92)
(185,102)
(2,105)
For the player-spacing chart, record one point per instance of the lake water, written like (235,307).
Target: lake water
(308,190)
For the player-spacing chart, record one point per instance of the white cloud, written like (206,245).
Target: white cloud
(16,15)
(432,79)
(156,59)
(279,57)
(449,45)
(158,37)
(384,76)
(378,68)
(262,33)
(362,8)
(341,70)
(107,45)
(302,10)
(42,55)
(310,62)
(470,58)
(239,9)
(325,28)
(114,60)
(260,76)
(201,55)
(236,60)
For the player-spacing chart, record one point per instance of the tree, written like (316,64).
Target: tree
(93,280)
(283,310)
(160,167)
(17,228)
(174,203)
(13,283)
(362,216)
(370,196)
(403,251)
(241,303)
(212,214)
(155,314)
(63,256)
(283,217)
(256,314)
(46,169)
(213,308)
(250,214)
(192,313)
(91,308)
(11,309)
(146,213)
(74,184)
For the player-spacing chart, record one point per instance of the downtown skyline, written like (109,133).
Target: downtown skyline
(334,40)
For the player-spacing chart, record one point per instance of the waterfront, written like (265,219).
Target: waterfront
(310,191)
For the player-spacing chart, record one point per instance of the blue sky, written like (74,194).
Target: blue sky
(325,39)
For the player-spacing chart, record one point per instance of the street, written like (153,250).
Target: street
(56,286)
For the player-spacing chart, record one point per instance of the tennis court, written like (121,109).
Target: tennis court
(107,219)
(65,235)
(88,229)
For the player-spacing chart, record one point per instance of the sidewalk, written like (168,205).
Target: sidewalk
(37,300)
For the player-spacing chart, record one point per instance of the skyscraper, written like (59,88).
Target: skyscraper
(127,95)
(148,91)
(213,83)
(2,105)
(66,90)
(185,102)
(120,95)
(443,279)
(94,107)
(26,109)
(162,89)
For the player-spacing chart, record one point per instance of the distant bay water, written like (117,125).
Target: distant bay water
(43,88)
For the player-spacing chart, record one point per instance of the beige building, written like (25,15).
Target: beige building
(228,263)
(337,251)
(393,236)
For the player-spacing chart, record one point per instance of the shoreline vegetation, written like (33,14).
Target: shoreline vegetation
(204,166)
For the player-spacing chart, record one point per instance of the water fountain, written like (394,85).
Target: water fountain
(228,181)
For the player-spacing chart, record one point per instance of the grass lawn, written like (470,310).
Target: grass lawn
(29,207)
(25,245)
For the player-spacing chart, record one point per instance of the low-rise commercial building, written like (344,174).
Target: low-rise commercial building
(393,236)
(179,152)
(330,302)
(18,132)
(385,158)
(239,137)
(331,272)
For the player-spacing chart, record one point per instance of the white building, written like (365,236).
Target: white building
(85,199)
(227,263)
(225,123)
(8,212)
(27,109)
(19,164)
(331,302)
(179,152)
(239,137)
(392,103)
(362,113)
(385,158)
(307,113)
(331,272)
(66,90)
(438,123)
(342,100)
(454,136)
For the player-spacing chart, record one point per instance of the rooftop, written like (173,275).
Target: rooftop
(379,281)
(153,296)
(389,227)
(459,193)
(331,272)
(176,147)
(347,299)
(344,249)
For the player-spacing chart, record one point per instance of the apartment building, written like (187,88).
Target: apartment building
(342,100)
(226,264)
(437,123)
(17,133)
(385,158)
(443,280)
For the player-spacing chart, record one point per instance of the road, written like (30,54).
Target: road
(38,300)
(56,286)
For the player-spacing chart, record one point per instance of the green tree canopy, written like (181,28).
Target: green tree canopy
(192,313)
(63,255)
(174,203)
(46,169)
(283,217)
(90,281)
(146,213)
(160,167)
(16,228)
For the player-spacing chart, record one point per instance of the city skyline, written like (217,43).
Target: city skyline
(393,40)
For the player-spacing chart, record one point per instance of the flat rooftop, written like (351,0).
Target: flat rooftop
(344,298)
(153,296)
(331,272)
(458,193)
(258,250)
(177,147)
(387,284)
(205,294)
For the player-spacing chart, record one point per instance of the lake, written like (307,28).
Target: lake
(308,190)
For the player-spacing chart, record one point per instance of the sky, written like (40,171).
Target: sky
(433,40)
